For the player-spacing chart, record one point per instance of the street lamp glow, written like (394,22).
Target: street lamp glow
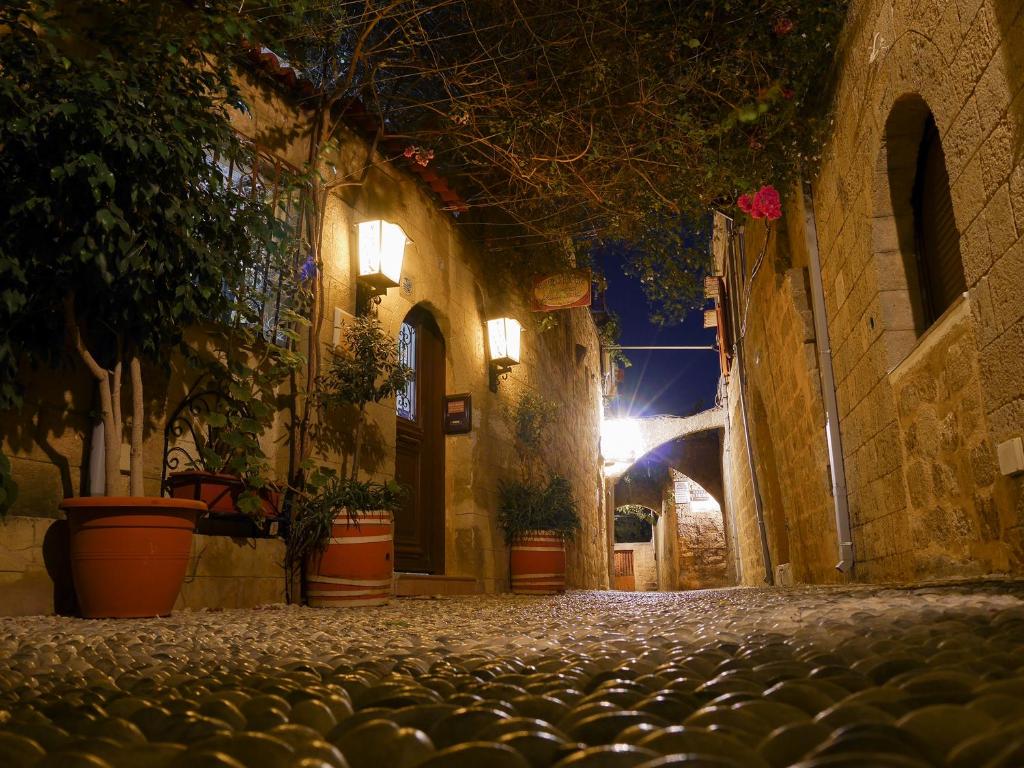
(504,340)
(620,440)
(381,252)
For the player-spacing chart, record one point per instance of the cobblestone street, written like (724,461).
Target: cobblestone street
(815,677)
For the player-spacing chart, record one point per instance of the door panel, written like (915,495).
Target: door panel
(419,455)
(624,578)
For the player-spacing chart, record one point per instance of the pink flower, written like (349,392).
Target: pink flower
(783,26)
(409,151)
(767,204)
(763,204)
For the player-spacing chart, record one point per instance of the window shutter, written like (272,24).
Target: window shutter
(941,267)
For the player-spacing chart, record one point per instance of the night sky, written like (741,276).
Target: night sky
(675,383)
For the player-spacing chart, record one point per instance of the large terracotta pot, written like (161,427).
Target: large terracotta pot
(537,564)
(129,554)
(358,565)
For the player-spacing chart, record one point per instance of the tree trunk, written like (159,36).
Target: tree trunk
(108,392)
(138,421)
(358,441)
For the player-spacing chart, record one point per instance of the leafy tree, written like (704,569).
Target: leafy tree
(365,370)
(587,123)
(119,229)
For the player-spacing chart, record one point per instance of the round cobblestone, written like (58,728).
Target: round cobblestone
(807,677)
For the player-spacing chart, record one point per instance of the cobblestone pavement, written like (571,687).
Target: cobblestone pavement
(748,678)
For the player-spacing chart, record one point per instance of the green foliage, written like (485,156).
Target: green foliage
(633,527)
(111,204)
(532,502)
(364,370)
(327,497)
(246,370)
(525,506)
(631,116)
(529,420)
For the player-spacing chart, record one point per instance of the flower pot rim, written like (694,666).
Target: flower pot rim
(95,502)
(205,473)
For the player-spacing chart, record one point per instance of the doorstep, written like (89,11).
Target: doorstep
(419,584)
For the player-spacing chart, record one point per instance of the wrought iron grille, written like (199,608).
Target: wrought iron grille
(269,288)
(405,398)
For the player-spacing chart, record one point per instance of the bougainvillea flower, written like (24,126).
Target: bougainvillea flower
(746,204)
(409,151)
(767,204)
(783,26)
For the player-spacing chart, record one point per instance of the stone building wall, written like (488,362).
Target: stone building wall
(921,411)
(939,401)
(448,274)
(645,564)
(700,535)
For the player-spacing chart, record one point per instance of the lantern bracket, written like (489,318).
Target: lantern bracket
(498,371)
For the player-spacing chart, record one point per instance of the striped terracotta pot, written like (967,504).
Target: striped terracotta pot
(357,567)
(538,564)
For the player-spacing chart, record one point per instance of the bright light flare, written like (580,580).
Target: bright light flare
(620,440)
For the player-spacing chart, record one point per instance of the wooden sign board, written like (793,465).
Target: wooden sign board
(563,290)
(458,414)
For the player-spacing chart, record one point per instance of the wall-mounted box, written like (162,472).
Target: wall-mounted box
(1011,457)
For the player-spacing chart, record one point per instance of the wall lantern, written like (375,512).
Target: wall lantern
(503,338)
(381,250)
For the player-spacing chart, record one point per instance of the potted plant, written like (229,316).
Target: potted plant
(233,402)
(119,233)
(536,511)
(342,530)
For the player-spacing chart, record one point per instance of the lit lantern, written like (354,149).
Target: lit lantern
(381,251)
(504,341)
(504,337)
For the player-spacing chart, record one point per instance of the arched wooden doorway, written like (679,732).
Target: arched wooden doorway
(419,447)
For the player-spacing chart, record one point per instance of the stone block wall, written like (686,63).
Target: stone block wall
(921,411)
(700,537)
(785,414)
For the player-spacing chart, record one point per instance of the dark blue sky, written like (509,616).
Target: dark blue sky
(660,382)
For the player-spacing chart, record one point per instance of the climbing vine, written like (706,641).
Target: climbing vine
(592,123)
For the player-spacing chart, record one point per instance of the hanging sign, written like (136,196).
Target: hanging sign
(563,290)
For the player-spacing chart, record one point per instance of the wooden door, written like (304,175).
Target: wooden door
(624,578)
(419,448)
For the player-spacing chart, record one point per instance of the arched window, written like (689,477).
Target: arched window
(936,238)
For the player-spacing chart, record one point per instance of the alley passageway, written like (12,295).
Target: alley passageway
(814,677)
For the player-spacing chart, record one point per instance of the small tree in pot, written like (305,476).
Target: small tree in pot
(333,507)
(119,233)
(536,511)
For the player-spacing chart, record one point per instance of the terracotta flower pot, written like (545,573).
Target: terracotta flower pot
(357,567)
(219,492)
(129,554)
(537,563)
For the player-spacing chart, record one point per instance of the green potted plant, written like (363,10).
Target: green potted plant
(342,530)
(536,511)
(119,234)
(232,403)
